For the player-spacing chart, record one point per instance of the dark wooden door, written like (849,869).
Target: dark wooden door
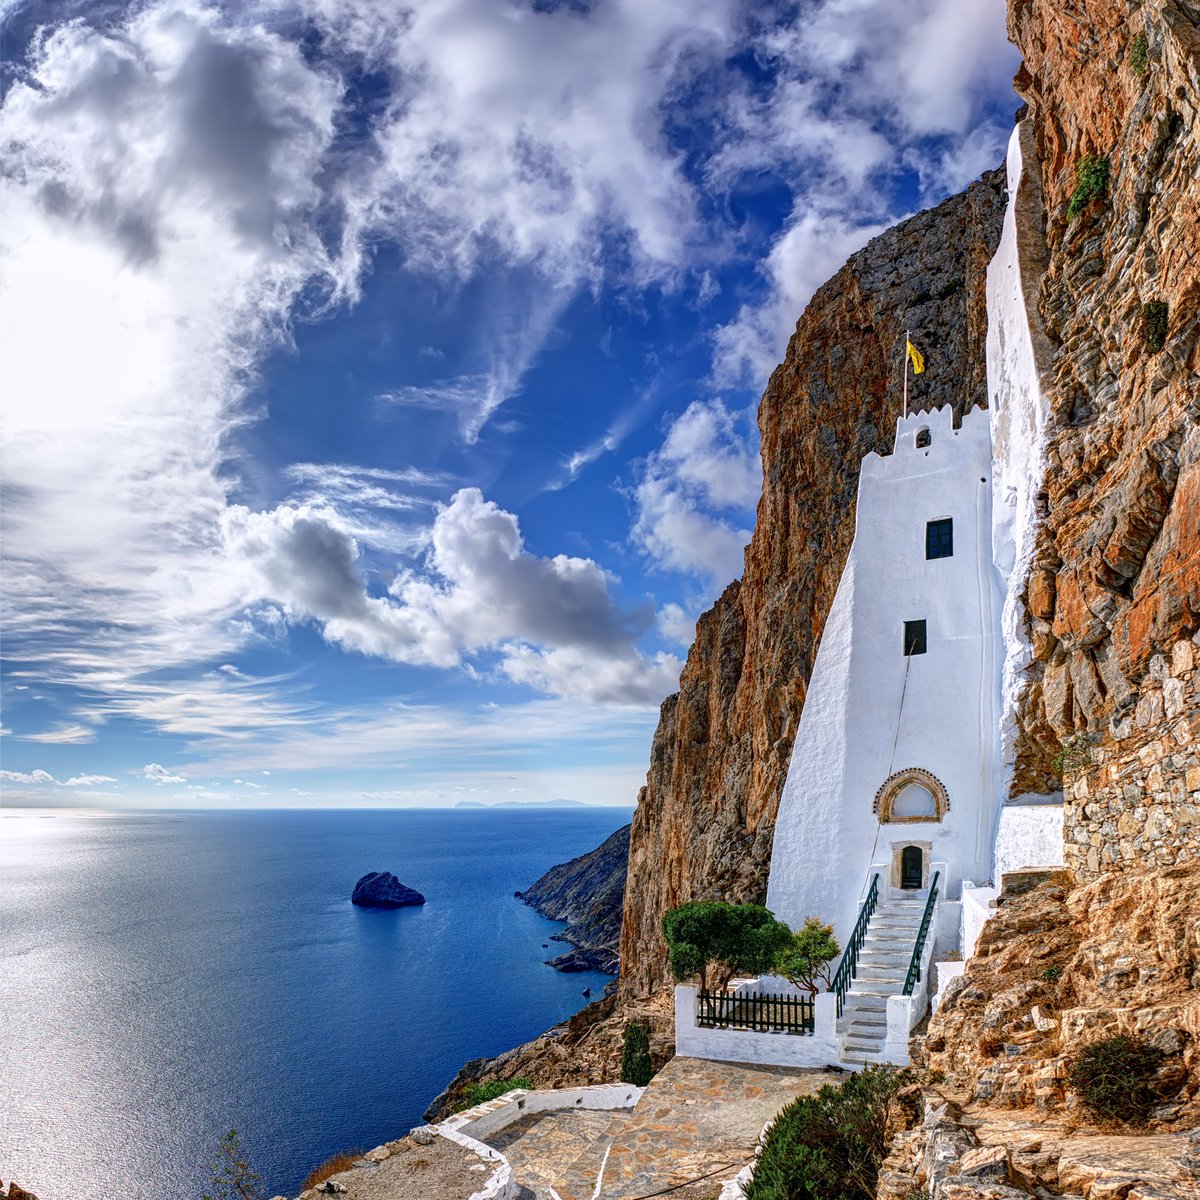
(911,864)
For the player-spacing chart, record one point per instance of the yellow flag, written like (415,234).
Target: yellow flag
(915,357)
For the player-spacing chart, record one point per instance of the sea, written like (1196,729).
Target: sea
(167,977)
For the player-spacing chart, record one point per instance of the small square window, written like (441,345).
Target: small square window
(914,638)
(939,538)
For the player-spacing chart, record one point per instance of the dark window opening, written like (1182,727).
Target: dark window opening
(912,867)
(923,438)
(939,538)
(914,638)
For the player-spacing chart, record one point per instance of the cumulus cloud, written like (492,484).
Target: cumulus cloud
(36,776)
(159,774)
(88,780)
(694,489)
(481,590)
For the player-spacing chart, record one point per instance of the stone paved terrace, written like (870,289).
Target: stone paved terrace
(697,1121)
(699,1118)
(560,1150)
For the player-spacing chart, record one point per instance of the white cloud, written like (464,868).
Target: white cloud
(482,590)
(63,735)
(677,625)
(707,466)
(159,774)
(88,780)
(36,776)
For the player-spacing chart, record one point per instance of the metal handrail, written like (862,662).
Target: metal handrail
(849,965)
(914,967)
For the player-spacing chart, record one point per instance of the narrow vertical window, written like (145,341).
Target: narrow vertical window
(939,538)
(914,638)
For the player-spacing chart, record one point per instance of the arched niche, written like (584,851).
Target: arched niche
(910,796)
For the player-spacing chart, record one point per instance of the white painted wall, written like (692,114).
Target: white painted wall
(827,835)
(747,1045)
(1020,415)
(1029,835)
(977,910)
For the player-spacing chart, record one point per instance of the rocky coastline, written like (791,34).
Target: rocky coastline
(588,893)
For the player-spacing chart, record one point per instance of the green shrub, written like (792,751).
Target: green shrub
(636,1067)
(1139,54)
(481,1093)
(1091,182)
(829,1146)
(1154,325)
(1073,755)
(1050,974)
(233,1178)
(1115,1078)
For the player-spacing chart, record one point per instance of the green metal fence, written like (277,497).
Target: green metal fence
(761,1011)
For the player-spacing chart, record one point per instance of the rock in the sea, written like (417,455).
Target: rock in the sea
(381,889)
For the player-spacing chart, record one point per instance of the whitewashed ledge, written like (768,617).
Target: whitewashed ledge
(469,1127)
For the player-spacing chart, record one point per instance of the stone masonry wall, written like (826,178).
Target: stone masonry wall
(1138,800)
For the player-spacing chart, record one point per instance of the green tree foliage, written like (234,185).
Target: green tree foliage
(232,1176)
(715,941)
(1115,1078)
(636,1067)
(808,956)
(830,1146)
(1091,183)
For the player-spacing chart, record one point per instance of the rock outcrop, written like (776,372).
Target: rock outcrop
(587,893)
(1116,580)
(705,818)
(381,889)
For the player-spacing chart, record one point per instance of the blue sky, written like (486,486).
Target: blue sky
(379,385)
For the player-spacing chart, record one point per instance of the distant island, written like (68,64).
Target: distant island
(536,804)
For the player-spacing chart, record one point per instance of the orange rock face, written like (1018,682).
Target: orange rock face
(1117,578)
(705,818)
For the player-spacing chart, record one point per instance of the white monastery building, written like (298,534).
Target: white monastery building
(896,823)
(893,759)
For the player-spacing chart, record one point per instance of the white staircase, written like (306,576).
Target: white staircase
(882,966)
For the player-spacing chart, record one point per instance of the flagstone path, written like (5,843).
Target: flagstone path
(695,1124)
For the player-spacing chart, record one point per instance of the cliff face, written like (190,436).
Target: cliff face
(1114,596)
(705,818)
(587,893)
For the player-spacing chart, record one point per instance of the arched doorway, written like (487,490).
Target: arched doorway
(912,867)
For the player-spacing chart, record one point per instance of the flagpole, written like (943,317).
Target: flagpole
(906,372)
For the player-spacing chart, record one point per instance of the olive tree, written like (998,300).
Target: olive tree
(714,941)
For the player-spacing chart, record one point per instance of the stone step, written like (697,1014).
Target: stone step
(881,988)
(856,1046)
(857,1002)
(874,1029)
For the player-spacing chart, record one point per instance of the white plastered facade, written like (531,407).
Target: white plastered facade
(871,711)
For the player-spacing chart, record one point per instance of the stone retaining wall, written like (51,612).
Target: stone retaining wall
(1138,799)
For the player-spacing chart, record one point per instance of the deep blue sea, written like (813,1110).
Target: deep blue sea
(165,977)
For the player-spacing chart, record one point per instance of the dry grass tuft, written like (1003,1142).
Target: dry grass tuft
(330,1167)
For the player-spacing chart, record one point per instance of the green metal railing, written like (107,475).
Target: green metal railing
(914,967)
(771,1013)
(848,967)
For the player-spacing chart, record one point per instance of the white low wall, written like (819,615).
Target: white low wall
(1029,834)
(946,971)
(976,911)
(750,1046)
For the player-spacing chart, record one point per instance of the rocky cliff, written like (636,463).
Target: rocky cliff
(1116,579)
(705,818)
(587,893)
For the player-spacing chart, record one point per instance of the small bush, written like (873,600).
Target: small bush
(636,1067)
(233,1178)
(481,1093)
(1154,325)
(829,1146)
(1073,755)
(1051,974)
(331,1167)
(1091,182)
(1139,54)
(1115,1078)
